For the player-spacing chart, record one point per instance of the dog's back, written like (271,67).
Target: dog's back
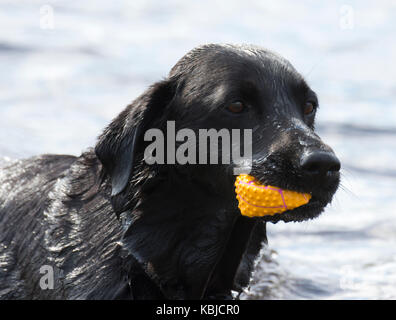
(51,214)
(24,194)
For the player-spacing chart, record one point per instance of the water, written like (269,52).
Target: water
(59,87)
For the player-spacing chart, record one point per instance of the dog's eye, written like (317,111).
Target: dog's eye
(309,108)
(236,107)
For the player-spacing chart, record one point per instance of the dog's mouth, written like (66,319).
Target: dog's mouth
(307,211)
(303,204)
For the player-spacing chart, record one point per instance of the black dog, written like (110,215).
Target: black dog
(113,227)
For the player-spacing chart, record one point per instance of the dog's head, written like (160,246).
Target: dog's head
(231,87)
(180,215)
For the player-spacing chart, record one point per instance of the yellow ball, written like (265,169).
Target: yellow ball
(257,200)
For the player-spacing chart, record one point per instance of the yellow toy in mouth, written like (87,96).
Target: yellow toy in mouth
(257,200)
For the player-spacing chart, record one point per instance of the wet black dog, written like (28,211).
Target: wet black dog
(111,226)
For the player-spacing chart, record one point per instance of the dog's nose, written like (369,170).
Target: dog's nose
(320,163)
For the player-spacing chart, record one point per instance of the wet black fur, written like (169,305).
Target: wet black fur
(114,227)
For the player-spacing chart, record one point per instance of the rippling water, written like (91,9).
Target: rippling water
(61,83)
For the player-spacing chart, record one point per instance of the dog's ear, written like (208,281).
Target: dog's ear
(117,146)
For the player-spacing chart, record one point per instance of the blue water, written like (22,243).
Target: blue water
(61,83)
